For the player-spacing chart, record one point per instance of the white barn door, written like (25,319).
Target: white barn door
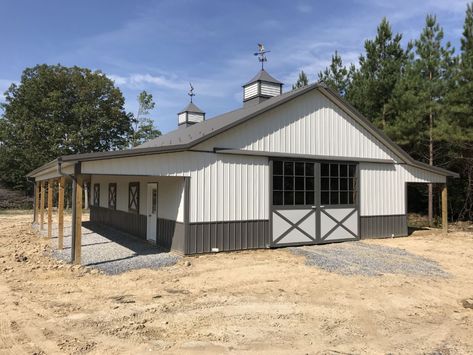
(152,209)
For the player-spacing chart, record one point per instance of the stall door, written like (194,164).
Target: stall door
(152,215)
(313,202)
(294,213)
(339,213)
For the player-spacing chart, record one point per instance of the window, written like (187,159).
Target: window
(134,196)
(337,184)
(97,195)
(154,201)
(293,183)
(112,196)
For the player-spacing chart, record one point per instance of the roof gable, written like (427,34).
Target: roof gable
(309,125)
(185,138)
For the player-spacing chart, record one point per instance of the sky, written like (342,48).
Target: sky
(161,46)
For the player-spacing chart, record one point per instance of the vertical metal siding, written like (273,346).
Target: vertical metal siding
(227,236)
(382,187)
(309,124)
(223,187)
(383,226)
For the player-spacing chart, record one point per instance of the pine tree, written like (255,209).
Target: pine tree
(302,81)
(419,97)
(456,128)
(336,75)
(379,71)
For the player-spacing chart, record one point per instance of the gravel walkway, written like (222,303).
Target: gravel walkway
(111,251)
(358,258)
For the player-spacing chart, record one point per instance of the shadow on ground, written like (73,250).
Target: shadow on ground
(112,251)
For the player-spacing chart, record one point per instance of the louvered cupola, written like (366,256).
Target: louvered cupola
(262,87)
(191,114)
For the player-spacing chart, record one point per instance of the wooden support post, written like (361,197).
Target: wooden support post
(77,218)
(60,215)
(36,202)
(41,206)
(50,207)
(444,210)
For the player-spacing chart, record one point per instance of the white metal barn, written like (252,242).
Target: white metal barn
(302,167)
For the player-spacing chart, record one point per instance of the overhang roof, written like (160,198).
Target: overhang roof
(184,138)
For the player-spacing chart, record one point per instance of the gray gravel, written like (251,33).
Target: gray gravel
(113,252)
(358,258)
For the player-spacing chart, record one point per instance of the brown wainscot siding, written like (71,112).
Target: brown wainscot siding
(128,222)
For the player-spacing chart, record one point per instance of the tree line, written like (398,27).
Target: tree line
(420,95)
(57,110)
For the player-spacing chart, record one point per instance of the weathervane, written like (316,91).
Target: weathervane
(191,91)
(261,55)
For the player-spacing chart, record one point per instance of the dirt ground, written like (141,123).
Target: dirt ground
(264,301)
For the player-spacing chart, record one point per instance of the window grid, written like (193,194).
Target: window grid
(338,184)
(293,183)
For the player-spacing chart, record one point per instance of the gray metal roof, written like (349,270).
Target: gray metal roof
(263,75)
(197,132)
(184,138)
(191,108)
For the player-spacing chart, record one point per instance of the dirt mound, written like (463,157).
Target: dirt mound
(11,199)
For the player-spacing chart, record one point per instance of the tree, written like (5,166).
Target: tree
(302,81)
(419,98)
(336,75)
(143,129)
(379,71)
(455,130)
(57,110)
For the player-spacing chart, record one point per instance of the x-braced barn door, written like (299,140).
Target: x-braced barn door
(294,210)
(313,202)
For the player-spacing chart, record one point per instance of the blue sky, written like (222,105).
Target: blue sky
(160,46)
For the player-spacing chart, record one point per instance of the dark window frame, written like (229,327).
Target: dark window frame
(134,197)
(294,181)
(338,184)
(97,195)
(112,195)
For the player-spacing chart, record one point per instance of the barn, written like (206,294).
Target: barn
(294,168)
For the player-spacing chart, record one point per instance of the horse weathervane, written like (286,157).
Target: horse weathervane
(261,55)
(191,91)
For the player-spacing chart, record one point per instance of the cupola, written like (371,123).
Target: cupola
(263,86)
(191,114)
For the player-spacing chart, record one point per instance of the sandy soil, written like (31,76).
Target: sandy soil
(265,301)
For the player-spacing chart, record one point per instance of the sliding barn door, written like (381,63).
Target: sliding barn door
(313,203)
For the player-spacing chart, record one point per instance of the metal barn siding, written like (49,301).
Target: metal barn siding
(227,236)
(310,124)
(223,187)
(382,187)
(383,226)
